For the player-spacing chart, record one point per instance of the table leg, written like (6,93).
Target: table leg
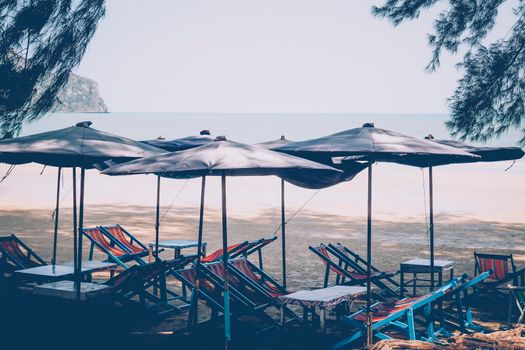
(402,284)
(451,273)
(440,280)
(176,253)
(414,284)
(322,319)
(282,315)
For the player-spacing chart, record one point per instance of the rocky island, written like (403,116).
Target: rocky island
(80,95)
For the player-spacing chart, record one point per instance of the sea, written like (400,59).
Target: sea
(486,192)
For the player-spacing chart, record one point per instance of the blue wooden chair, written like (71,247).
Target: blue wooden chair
(399,314)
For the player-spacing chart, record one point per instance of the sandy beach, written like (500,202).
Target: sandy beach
(394,242)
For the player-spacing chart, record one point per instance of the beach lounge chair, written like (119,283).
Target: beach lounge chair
(253,301)
(16,255)
(352,260)
(517,298)
(344,273)
(115,251)
(241,249)
(246,271)
(504,272)
(125,239)
(462,319)
(208,291)
(139,279)
(399,314)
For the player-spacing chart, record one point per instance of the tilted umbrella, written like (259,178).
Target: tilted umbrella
(349,173)
(226,158)
(369,144)
(182,143)
(77,146)
(485,154)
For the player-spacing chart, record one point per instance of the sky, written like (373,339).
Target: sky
(266,56)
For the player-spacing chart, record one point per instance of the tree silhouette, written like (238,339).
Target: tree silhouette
(41,41)
(490,96)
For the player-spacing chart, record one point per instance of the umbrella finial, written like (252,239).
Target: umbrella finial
(205,132)
(429,137)
(161,137)
(282,137)
(368,125)
(85,124)
(220,138)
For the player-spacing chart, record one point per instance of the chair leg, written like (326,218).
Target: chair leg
(411,325)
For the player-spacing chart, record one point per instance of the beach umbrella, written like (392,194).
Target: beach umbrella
(182,143)
(226,158)
(370,145)
(485,154)
(78,146)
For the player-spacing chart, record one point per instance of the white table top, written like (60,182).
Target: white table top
(55,271)
(323,296)
(178,244)
(426,262)
(66,289)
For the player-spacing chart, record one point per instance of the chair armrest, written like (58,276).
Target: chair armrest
(518,277)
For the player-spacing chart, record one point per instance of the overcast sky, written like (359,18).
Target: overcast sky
(260,56)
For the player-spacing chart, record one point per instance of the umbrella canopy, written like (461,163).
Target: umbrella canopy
(372,145)
(223,157)
(377,145)
(486,154)
(274,143)
(76,146)
(183,143)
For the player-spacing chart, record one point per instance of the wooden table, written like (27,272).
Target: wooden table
(321,298)
(56,272)
(417,266)
(66,290)
(178,245)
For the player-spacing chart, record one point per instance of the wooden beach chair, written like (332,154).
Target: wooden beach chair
(125,239)
(136,282)
(399,315)
(209,292)
(246,271)
(517,299)
(353,261)
(462,318)
(344,272)
(115,251)
(16,255)
(503,269)
(245,249)
(252,300)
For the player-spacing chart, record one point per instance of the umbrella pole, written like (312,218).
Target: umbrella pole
(227,335)
(157,220)
(55,235)
(75,259)
(199,250)
(283,233)
(369,337)
(78,276)
(431,226)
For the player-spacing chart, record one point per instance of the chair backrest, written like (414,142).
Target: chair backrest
(500,264)
(321,251)
(217,255)
(103,243)
(254,246)
(18,254)
(252,273)
(125,238)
